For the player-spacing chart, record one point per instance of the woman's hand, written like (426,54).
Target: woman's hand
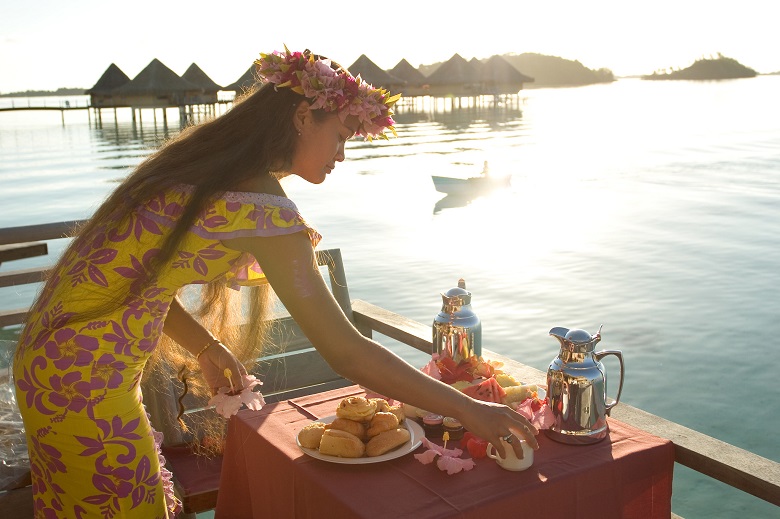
(213,362)
(491,422)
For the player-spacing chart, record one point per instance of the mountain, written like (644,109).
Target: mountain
(64,91)
(707,69)
(550,71)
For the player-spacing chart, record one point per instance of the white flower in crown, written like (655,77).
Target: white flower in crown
(329,89)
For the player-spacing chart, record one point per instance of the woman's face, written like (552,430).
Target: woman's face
(320,144)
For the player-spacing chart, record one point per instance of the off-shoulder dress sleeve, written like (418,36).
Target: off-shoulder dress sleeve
(235,215)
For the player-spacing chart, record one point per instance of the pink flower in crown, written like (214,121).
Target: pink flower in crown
(330,90)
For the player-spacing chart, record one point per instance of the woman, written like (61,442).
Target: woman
(207,208)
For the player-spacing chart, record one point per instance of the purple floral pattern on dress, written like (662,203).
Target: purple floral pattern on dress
(73,373)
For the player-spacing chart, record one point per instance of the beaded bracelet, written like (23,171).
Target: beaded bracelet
(203,350)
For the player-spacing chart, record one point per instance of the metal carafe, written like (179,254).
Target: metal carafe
(577,388)
(457,331)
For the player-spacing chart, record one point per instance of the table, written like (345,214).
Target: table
(265,475)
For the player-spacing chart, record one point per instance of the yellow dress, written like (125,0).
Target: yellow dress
(91,446)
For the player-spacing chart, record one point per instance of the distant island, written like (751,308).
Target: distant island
(40,93)
(547,71)
(707,69)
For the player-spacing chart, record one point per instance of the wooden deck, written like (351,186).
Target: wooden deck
(736,467)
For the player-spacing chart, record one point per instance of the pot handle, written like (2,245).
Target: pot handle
(619,354)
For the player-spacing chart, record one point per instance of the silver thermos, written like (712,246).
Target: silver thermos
(457,331)
(577,388)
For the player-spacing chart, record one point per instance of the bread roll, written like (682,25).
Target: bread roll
(380,423)
(398,411)
(381,404)
(350,426)
(341,444)
(356,408)
(386,441)
(309,436)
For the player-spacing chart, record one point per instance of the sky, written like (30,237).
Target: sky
(48,44)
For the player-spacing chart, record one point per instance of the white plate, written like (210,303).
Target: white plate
(416,434)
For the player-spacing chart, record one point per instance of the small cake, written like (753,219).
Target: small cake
(432,424)
(453,427)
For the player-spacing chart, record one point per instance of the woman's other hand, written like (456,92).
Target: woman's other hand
(214,361)
(491,422)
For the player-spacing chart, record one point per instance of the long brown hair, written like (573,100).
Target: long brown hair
(255,137)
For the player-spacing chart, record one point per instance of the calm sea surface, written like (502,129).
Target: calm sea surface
(652,208)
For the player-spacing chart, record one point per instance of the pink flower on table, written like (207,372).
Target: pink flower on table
(449,459)
(454,465)
(536,411)
(432,369)
(227,403)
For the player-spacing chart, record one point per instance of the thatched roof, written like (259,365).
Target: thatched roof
(156,78)
(112,78)
(455,70)
(476,66)
(404,70)
(195,75)
(244,82)
(370,71)
(498,70)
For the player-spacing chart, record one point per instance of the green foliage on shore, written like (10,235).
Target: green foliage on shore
(40,93)
(707,69)
(550,71)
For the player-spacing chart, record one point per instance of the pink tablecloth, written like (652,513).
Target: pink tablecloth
(265,475)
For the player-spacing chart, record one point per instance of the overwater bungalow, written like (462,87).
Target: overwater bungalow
(157,86)
(195,75)
(415,81)
(499,77)
(101,94)
(375,75)
(454,78)
(243,83)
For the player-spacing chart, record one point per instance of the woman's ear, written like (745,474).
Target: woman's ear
(302,116)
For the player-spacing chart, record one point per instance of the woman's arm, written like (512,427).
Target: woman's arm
(183,328)
(211,354)
(289,263)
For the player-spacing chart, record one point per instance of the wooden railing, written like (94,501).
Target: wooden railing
(716,459)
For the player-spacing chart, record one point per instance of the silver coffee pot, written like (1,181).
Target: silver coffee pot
(577,388)
(457,331)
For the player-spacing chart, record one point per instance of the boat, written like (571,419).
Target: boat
(472,186)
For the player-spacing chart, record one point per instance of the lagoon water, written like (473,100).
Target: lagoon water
(652,208)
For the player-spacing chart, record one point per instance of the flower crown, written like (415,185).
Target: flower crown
(333,90)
